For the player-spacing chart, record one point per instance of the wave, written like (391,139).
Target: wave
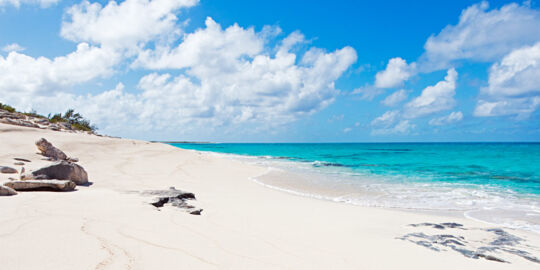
(496,195)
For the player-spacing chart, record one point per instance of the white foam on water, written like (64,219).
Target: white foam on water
(478,202)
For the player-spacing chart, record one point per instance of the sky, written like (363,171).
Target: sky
(279,71)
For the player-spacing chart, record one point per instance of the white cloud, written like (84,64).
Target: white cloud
(482,35)
(521,107)
(403,127)
(514,85)
(435,98)
(367,92)
(18,3)
(517,74)
(453,117)
(387,119)
(397,71)
(130,24)
(24,78)
(224,77)
(210,48)
(347,130)
(13,47)
(395,98)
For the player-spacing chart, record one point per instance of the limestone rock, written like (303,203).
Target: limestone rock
(48,150)
(38,185)
(4,169)
(54,127)
(64,170)
(175,198)
(7,191)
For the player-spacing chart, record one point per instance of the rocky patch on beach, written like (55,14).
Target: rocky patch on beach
(63,174)
(173,197)
(493,244)
(25,120)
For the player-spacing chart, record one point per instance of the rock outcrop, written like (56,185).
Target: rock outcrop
(175,198)
(5,169)
(41,185)
(62,170)
(34,121)
(7,191)
(48,150)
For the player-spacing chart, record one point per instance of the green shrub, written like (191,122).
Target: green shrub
(34,114)
(7,108)
(76,120)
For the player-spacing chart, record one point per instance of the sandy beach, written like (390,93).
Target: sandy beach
(244,225)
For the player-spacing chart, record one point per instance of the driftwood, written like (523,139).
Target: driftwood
(41,185)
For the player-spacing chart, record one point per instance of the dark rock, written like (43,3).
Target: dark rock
(160,202)
(22,159)
(64,170)
(5,169)
(440,226)
(174,197)
(489,258)
(451,225)
(500,242)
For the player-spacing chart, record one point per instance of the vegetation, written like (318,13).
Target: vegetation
(34,114)
(7,108)
(76,120)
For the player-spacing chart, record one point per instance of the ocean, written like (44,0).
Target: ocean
(498,183)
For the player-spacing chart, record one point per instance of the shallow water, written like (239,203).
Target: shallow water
(493,182)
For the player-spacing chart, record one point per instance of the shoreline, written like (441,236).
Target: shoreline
(281,176)
(110,225)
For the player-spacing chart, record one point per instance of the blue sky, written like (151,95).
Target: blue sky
(279,71)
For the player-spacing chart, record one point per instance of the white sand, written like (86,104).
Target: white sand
(244,225)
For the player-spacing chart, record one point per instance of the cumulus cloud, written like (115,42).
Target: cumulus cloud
(13,47)
(395,98)
(482,35)
(367,92)
(453,117)
(25,78)
(386,119)
(229,77)
(211,47)
(520,107)
(397,71)
(514,85)
(517,74)
(215,77)
(403,127)
(18,3)
(435,98)
(130,24)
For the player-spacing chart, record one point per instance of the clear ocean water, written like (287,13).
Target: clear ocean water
(493,182)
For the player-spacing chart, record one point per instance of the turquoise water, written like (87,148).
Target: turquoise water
(467,176)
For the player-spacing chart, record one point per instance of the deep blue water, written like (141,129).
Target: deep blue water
(508,166)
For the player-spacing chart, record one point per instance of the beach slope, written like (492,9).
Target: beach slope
(244,225)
